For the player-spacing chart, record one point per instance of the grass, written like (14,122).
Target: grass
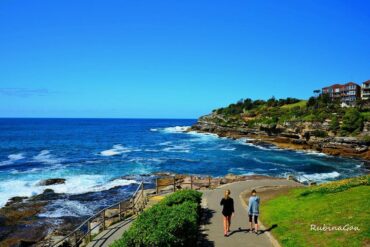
(333,204)
(366,115)
(301,103)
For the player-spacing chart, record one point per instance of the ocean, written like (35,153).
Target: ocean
(95,156)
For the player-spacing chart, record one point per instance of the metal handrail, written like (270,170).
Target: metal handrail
(100,213)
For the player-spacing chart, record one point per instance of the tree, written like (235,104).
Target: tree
(334,125)
(352,121)
(311,102)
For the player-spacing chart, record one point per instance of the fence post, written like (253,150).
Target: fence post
(191,182)
(209,181)
(142,197)
(156,186)
(89,230)
(103,219)
(76,239)
(174,184)
(119,211)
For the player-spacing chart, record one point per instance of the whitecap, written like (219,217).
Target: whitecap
(77,184)
(46,157)
(177,149)
(176,129)
(228,149)
(153,129)
(318,177)
(12,158)
(117,150)
(61,208)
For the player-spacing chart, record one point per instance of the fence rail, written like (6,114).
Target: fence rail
(104,218)
(179,182)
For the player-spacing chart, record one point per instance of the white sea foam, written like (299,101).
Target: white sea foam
(46,157)
(154,129)
(319,177)
(117,149)
(177,149)
(12,158)
(228,149)
(165,143)
(60,208)
(77,184)
(176,129)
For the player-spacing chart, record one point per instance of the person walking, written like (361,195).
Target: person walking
(227,211)
(253,211)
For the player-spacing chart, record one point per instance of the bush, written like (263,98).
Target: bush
(338,186)
(352,121)
(182,196)
(172,222)
(319,133)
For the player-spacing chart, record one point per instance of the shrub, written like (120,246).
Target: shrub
(319,133)
(352,121)
(172,222)
(338,186)
(182,196)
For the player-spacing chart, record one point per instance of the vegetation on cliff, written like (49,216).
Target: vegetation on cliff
(331,214)
(341,121)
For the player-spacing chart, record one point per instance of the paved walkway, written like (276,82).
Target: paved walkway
(213,230)
(114,232)
(239,236)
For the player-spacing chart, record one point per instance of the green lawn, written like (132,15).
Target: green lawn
(333,204)
(301,103)
(366,115)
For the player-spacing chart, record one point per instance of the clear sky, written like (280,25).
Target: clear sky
(173,59)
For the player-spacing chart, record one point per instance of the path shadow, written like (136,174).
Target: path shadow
(239,230)
(206,215)
(269,229)
(248,230)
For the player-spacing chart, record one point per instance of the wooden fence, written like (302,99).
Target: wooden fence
(105,218)
(174,183)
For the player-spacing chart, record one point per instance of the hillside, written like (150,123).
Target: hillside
(318,124)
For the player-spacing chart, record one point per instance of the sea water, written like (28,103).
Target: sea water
(95,156)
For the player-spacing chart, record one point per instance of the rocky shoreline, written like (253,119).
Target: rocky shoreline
(294,137)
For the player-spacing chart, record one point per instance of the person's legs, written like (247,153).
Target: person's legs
(229,223)
(250,222)
(256,222)
(225,225)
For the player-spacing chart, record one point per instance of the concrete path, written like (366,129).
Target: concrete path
(213,229)
(108,236)
(114,232)
(239,236)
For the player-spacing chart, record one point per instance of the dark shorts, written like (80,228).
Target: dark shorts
(227,214)
(255,218)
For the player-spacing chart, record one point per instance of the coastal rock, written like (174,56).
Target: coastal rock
(47,195)
(290,135)
(16,199)
(51,181)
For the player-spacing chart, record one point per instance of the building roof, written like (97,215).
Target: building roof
(366,82)
(351,83)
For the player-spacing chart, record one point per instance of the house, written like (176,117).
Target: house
(365,90)
(347,93)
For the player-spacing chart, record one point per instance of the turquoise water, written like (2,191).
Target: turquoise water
(93,155)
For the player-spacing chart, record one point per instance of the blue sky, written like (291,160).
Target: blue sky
(173,59)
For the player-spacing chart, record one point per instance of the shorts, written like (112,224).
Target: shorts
(227,214)
(255,218)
